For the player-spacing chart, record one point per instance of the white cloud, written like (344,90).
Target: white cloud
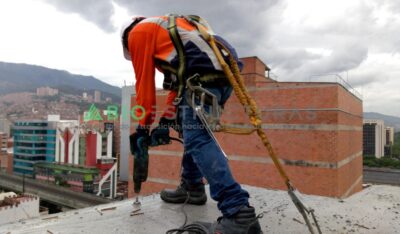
(297,39)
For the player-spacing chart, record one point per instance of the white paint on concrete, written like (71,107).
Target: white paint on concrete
(374,210)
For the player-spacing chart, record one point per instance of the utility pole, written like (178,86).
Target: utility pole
(23,183)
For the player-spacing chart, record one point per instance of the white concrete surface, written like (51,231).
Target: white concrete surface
(27,208)
(374,210)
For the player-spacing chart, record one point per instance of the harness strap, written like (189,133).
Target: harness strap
(176,40)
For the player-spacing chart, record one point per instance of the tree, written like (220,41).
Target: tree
(396,145)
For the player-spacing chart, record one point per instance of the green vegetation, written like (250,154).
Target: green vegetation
(371,161)
(396,145)
(388,162)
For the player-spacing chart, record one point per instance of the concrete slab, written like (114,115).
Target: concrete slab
(374,210)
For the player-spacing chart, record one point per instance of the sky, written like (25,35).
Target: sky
(308,40)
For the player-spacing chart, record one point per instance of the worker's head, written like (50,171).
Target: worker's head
(125,29)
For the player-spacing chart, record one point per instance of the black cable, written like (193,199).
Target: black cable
(193,228)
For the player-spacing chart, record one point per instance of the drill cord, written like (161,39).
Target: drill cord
(190,228)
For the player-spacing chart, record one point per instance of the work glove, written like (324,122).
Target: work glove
(140,140)
(160,134)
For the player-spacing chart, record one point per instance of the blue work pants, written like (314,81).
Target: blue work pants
(203,158)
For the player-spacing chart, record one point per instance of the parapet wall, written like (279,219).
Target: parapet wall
(25,207)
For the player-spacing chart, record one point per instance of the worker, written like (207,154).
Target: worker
(149,45)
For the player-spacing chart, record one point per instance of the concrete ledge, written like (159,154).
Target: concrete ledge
(360,213)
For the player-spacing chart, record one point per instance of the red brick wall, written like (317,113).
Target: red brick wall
(315,130)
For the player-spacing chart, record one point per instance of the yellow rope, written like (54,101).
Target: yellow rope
(235,78)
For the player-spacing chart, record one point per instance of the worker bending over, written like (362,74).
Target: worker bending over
(151,43)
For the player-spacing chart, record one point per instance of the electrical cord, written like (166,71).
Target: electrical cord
(193,228)
(196,228)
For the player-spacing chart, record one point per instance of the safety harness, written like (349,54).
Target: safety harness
(174,78)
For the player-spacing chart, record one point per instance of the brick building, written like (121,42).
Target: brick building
(315,130)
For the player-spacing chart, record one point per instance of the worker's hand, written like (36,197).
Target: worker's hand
(139,140)
(160,134)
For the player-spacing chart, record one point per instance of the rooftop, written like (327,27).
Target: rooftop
(373,210)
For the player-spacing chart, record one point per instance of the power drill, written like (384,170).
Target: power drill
(140,151)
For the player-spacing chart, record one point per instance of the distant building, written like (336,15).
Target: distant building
(76,177)
(89,98)
(3,142)
(125,129)
(77,147)
(18,207)
(97,96)
(46,91)
(108,100)
(4,154)
(34,141)
(84,95)
(374,138)
(389,131)
(83,157)
(6,157)
(389,135)
(5,126)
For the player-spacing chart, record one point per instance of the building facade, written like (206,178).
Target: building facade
(374,138)
(4,156)
(34,141)
(389,135)
(97,96)
(125,131)
(46,91)
(315,129)
(5,126)
(83,158)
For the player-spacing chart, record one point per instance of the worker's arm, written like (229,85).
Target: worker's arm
(142,49)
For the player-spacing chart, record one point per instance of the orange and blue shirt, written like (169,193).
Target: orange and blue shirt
(150,44)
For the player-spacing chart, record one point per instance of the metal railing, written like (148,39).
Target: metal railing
(337,79)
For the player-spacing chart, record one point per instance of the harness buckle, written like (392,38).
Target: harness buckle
(177,101)
(199,98)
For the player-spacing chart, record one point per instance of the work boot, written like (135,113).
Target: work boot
(197,194)
(243,222)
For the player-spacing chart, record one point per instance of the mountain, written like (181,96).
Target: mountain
(391,121)
(26,78)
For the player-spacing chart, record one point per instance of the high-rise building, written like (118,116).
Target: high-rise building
(374,138)
(5,126)
(389,135)
(34,141)
(3,141)
(97,96)
(3,151)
